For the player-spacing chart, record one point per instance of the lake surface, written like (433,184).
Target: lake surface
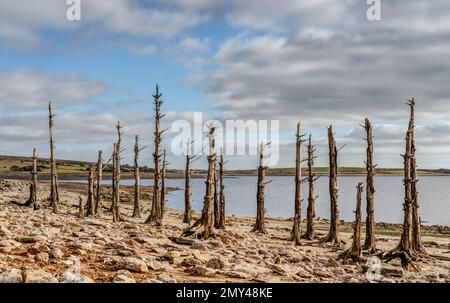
(434,197)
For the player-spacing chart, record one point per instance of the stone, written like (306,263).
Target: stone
(171,255)
(42,257)
(188,262)
(279,269)
(166,278)
(31,239)
(197,245)
(124,276)
(12,275)
(237,274)
(38,276)
(200,271)
(133,264)
(56,253)
(73,273)
(4,232)
(215,263)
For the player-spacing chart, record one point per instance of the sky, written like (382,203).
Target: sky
(321,62)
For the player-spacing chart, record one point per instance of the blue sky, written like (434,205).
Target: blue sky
(320,62)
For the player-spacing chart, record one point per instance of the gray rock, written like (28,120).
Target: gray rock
(132,264)
(197,245)
(188,262)
(124,276)
(42,257)
(200,271)
(166,278)
(215,263)
(391,271)
(56,253)
(38,276)
(279,269)
(12,275)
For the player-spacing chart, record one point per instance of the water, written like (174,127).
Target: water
(434,197)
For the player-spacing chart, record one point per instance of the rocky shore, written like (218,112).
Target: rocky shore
(39,246)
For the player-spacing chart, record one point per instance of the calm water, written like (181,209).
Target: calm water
(434,195)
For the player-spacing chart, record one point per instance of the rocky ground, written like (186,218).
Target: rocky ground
(38,246)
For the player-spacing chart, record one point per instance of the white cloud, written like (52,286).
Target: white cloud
(146,50)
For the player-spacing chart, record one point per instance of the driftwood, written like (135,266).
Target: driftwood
(221,221)
(117,175)
(163,184)
(137,179)
(99,179)
(32,199)
(90,211)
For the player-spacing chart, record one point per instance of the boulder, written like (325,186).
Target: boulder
(133,264)
(38,276)
(42,257)
(215,263)
(124,276)
(12,275)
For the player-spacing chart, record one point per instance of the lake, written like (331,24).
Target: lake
(434,197)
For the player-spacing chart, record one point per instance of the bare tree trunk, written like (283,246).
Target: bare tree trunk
(221,224)
(54,192)
(117,172)
(333,236)
(90,196)
(113,178)
(137,180)
(216,202)
(32,200)
(260,226)
(296,232)
(355,251)
(80,208)
(156,210)
(311,210)
(203,227)
(416,241)
(187,187)
(404,250)
(98,196)
(370,241)
(163,184)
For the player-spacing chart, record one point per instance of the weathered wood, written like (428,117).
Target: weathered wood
(156,215)
(32,200)
(260,226)
(80,208)
(222,222)
(163,184)
(216,201)
(99,179)
(137,180)
(90,211)
(187,186)
(355,251)
(117,175)
(54,191)
(333,236)
(370,241)
(296,232)
(310,233)
(203,227)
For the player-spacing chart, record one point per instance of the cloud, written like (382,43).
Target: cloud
(146,50)
(190,44)
(33,89)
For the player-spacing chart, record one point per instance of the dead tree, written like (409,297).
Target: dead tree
(156,214)
(310,233)
(187,185)
(203,227)
(32,200)
(54,191)
(113,177)
(404,250)
(333,236)
(221,222)
(163,184)
(370,241)
(80,208)
(296,232)
(260,226)
(98,189)
(416,241)
(137,179)
(216,201)
(355,251)
(117,174)
(90,211)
